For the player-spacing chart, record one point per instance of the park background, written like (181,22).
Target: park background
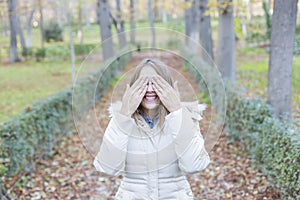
(44,42)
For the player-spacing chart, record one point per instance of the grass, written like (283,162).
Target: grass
(23,83)
(252,72)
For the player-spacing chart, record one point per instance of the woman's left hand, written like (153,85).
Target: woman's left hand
(168,95)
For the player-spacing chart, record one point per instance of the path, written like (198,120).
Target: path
(71,175)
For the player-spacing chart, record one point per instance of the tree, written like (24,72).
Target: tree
(191,24)
(80,30)
(13,22)
(72,51)
(226,41)
(151,23)
(281,57)
(105,29)
(132,22)
(120,26)
(29,28)
(205,29)
(41,23)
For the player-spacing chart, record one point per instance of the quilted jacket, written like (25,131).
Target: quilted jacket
(154,161)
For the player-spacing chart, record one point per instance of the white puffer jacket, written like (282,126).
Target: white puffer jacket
(153,162)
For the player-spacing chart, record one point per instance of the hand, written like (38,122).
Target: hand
(133,96)
(168,95)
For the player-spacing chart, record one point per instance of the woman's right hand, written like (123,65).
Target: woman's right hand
(133,96)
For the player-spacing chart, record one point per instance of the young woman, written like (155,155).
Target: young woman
(153,139)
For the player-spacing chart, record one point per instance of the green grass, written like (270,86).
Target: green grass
(23,83)
(252,72)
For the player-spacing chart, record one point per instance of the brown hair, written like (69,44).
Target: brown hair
(162,70)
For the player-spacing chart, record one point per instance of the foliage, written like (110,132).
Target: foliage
(53,31)
(273,144)
(57,52)
(35,132)
(40,54)
(27,52)
(83,49)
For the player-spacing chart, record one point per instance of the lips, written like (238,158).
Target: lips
(149,98)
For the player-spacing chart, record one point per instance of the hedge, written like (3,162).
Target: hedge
(35,132)
(274,145)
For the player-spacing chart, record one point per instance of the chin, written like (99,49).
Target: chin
(150,106)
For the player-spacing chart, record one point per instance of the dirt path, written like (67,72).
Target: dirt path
(71,175)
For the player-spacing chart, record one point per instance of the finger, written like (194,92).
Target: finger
(140,80)
(161,82)
(141,86)
(158,90)
(176,87)
(143,92)
(127,87)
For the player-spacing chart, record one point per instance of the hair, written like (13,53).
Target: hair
(162,70)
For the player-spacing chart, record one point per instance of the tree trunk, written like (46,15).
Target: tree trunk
(80,31)
(250,11)
(132,22)
(41,24)
(281,58)
(164,16)
(205,30)
(191,25)
(86,15)
(29,29)
(13,21)
(226,42)
(72,51)
(105,29)
(151,23)
(120,27)
(20,33)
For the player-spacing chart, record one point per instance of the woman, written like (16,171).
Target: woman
(153,139)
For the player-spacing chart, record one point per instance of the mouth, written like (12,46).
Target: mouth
(150,98)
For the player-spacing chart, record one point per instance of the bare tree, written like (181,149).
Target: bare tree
(29,28)
(41,23)
(13,22)
(80,30)
(191,24)
(205,29)
(132,22)
(281,57)
(20,33)
(86,15)
(226,41)
(120,26)
(105,29)
(151,23)
(68,17)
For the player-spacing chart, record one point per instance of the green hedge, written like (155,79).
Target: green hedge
(273,144)
(35,132)
(57,52)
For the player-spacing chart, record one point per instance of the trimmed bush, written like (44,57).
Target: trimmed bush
(273,144)
(53,31)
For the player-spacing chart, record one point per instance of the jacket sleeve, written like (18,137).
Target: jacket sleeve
(112,155)
(188,140)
